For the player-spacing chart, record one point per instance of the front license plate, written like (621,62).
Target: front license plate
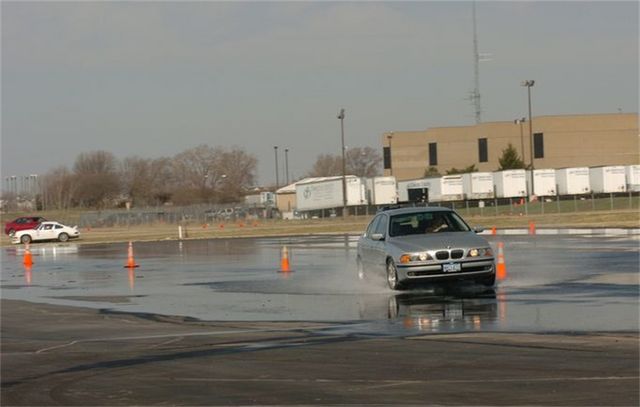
(451,267)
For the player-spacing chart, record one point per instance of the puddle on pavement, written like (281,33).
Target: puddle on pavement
(554,283)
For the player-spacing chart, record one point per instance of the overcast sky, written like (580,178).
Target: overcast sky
(155,78)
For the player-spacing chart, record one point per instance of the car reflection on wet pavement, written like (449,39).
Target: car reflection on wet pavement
(554,283)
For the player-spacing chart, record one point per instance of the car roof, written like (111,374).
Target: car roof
(415,209)
(50,222)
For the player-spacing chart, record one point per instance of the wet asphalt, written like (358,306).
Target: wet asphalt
(216,323)
(554,283)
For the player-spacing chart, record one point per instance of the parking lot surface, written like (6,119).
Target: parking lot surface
(215,322)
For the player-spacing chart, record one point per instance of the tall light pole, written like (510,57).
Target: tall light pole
(344,166)
(528,84)
(275,149)
(286,164)
(519,122)
(389,138)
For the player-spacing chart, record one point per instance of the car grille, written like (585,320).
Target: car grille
(457,254)
(442,255)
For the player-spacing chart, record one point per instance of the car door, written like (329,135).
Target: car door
(378,247)
(46,232)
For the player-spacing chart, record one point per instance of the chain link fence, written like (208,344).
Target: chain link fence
(209,214)
(195,214)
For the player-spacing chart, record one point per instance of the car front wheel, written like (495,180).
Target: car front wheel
(25,239)
(63,237)
(392,275)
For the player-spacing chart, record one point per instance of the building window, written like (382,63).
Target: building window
(433,153)
(538,145)
(386,157)
(483,154)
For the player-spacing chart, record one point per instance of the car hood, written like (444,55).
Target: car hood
(437,241)
(24,231)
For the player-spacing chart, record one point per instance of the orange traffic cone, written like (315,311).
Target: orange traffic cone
(284,260)
(130,262)
(27,260)
(532,228)
(501,268)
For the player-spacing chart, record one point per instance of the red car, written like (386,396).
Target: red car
(26,222)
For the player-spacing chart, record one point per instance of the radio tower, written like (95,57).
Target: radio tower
(475,94)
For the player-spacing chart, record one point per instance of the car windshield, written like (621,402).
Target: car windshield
(421,223)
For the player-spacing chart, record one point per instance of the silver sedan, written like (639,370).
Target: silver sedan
(424,244)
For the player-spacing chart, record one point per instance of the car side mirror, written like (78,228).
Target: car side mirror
(377,236)
(478,229)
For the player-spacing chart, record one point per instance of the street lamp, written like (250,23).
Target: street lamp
(520,121)
(344,167)
(389,138)
(528,84)
(275,149)
(286,164)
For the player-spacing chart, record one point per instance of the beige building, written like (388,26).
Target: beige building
(558,142)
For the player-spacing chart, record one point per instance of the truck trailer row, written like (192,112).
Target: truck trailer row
(326,193)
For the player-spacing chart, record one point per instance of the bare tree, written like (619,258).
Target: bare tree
(198,170)
(359,161)
(363,162)
(326,165)
(59,188)
(239,170)
(96,178)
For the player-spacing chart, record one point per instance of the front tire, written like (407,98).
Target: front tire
(63,237)
(392,276)
(25,239)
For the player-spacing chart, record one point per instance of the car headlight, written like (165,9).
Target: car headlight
(411,257)
(481,252)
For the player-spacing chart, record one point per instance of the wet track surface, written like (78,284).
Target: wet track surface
(554,283)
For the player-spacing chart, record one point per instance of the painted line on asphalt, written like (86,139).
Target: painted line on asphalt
(570,231)
(384,382)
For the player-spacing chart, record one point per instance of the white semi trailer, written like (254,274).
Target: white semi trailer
(382,191)
(510,183)
(326,193)
(437,189)
(478,185)
(573,181)
(544,182)
(608,179)
(633,178)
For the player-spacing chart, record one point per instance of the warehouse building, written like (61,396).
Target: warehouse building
(558,141)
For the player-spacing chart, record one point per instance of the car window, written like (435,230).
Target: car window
(58,227)
(372,225)
(420,223)
(48,227)
(21,220)
(381,226)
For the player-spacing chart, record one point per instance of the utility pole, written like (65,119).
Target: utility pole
(344,166)
(519,122)
(390,138)
(275,149)
(286,164)
(528,84)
